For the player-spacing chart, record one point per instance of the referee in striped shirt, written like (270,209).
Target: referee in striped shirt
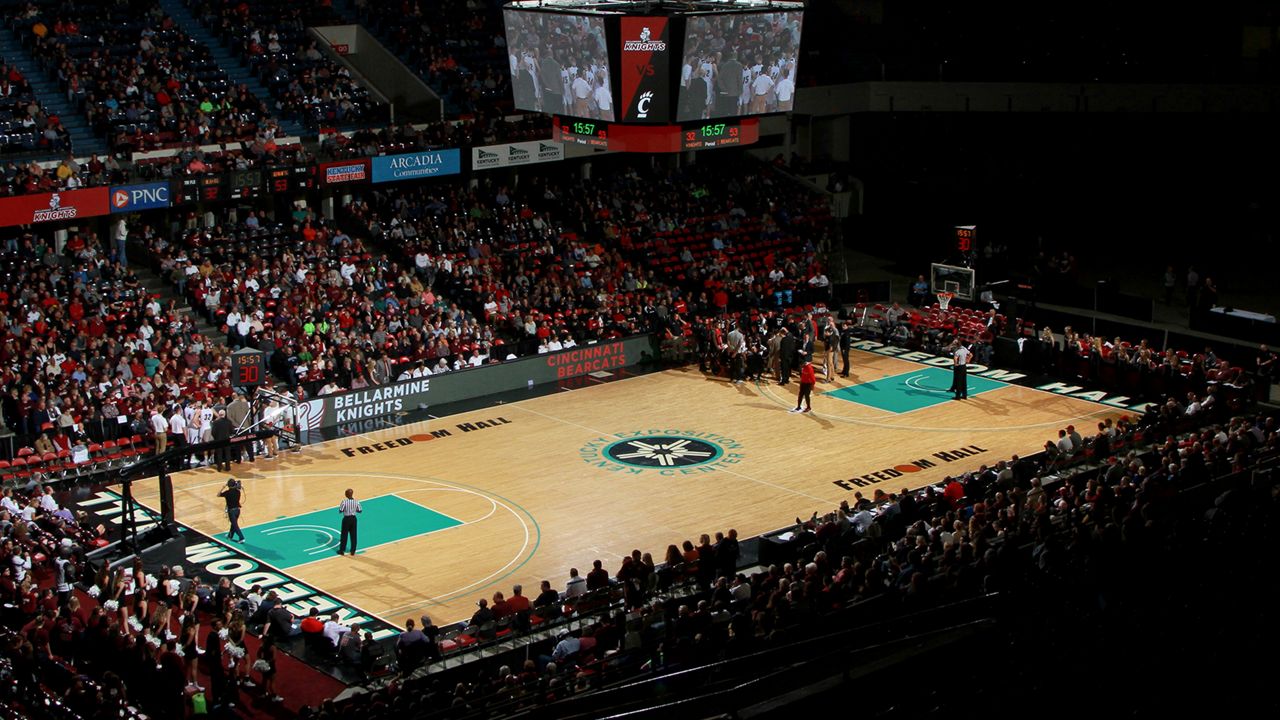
(349,508)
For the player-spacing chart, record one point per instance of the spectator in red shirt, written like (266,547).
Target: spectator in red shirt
(500,608)
(312,625)
(518,602)
(954,492)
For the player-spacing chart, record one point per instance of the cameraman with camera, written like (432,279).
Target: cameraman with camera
(233,493)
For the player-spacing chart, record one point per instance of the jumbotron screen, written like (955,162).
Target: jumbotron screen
(559,64)
(739,64)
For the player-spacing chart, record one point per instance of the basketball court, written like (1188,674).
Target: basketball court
(457,507)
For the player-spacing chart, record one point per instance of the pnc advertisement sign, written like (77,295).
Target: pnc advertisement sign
(646,59)
(51,207)
(129,198)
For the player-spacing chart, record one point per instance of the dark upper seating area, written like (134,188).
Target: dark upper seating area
(141,81)
(457,46)
(306,86)
(24,123)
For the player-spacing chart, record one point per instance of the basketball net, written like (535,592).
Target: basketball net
(944,300)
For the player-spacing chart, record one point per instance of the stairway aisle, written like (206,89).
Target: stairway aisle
(52,97)
(230,64)
(160,287)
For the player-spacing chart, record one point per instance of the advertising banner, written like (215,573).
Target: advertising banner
(646,62)
(50,207)
(515,154)
(336,173)
(374,402)
(417,165)
(131,198)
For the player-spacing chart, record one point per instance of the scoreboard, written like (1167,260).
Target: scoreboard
(202,188)
(592,133)
(655,76)
(244,184)
(290,179)
(713,134)
(727,132)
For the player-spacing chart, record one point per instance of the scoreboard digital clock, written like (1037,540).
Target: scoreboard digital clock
(245,183)
(584,132)
(247,368)
(712,135)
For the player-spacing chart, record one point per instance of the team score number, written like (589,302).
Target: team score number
(279,181)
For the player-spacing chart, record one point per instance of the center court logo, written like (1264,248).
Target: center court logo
(666,452)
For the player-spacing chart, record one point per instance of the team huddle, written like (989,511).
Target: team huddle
(559,65)
(739,65)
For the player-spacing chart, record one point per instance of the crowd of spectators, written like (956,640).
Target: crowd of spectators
(84,345)
(328,313)
(191,159)
(42,546)
(485,274)
(112,643)
(142,81)
(478,131)
(457,46)
(24,124)
(271,39)
(24,178)
(264,149)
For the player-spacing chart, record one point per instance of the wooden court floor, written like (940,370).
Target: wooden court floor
(461,506)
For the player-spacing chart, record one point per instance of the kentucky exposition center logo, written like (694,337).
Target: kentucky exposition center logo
(670,452)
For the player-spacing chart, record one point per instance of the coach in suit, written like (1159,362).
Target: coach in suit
(787,355)
(221,430)
(846,343)
(695,97)
(238,414)
(549,74)
(775,352)
(728,86)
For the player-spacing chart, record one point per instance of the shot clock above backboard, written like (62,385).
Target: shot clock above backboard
(248,369)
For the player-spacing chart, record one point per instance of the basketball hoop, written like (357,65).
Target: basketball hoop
(944,300)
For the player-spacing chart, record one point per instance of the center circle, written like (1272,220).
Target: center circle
(663,451)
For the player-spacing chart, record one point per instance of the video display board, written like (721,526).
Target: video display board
(560,64)
(646,52)
(739,64)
